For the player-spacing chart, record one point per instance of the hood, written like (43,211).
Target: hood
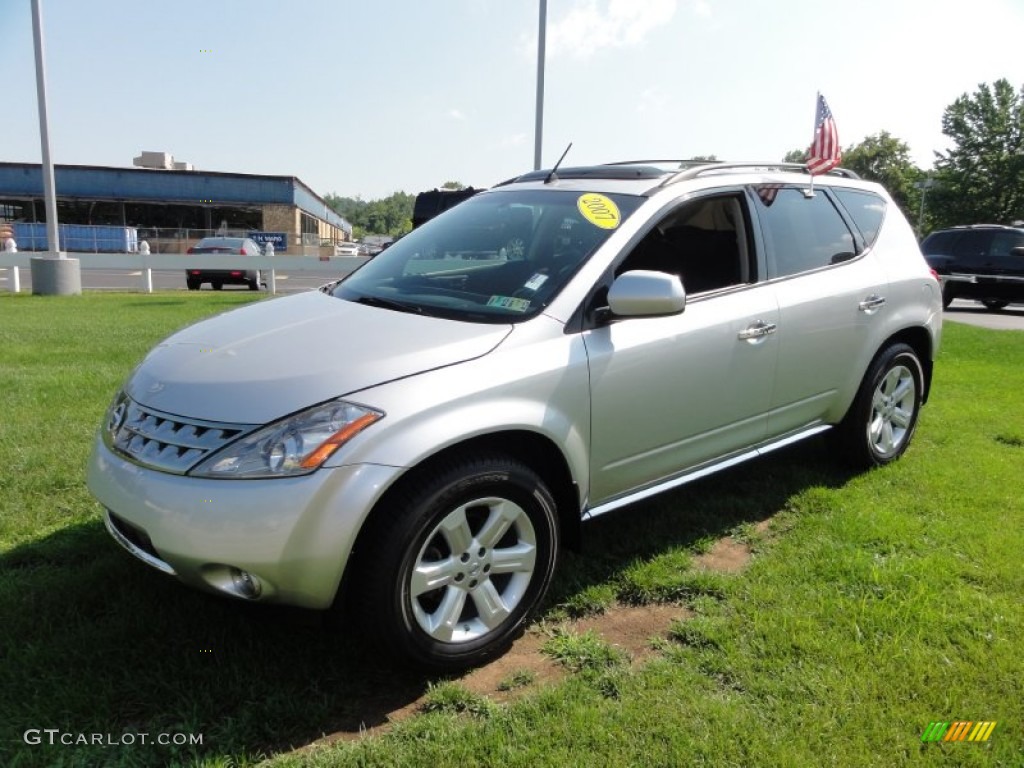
(269,359)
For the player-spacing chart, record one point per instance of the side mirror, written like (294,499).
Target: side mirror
(645,293)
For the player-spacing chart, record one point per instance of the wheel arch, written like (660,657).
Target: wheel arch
(532,449)
(920,340)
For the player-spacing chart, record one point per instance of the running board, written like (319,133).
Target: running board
(704,471)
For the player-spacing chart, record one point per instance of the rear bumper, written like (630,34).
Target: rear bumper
(972,286)
(227,276)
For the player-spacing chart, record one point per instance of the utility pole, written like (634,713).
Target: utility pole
(55,273)
(538,131)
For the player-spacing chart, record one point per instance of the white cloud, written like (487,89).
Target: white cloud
(456,114)
(653,100)
(516,140)
(702,8)
(595,24)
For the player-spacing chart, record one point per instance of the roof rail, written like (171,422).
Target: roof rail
(694,171)
(680,163)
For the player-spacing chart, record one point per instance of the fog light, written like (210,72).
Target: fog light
(245,583)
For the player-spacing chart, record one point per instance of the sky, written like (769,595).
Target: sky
(371,97)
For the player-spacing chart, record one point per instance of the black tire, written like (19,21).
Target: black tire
(995,305)
(947,297)
(254,283)
(883,417)
(217,285)
(460,525)
(193,285)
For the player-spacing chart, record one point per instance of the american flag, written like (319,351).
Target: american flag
(824,154)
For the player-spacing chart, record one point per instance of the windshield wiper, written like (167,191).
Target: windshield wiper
(398,306)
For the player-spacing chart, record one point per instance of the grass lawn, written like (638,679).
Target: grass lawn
(875,603)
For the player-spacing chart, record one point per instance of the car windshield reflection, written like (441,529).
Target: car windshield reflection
(499,257)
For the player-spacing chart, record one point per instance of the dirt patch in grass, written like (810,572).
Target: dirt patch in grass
(524,668)
(726,556)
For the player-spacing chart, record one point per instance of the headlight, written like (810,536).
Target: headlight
(296,445)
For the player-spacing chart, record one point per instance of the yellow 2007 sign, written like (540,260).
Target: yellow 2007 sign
(599,210)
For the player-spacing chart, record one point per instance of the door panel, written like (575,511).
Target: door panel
(825,339)
(670,393)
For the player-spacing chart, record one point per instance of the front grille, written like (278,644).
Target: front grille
(167,442)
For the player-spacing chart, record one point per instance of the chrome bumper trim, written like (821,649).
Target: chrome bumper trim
(142,555)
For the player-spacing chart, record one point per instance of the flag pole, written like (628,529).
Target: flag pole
(810,190)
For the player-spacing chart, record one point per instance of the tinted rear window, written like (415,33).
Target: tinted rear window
(803,233)
(866,209)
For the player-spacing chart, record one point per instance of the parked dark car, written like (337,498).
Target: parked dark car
(218,278)
(984,262)
(429,204)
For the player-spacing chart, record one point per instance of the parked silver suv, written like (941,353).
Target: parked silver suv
(430,430)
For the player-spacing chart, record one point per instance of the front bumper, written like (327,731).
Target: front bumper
(294,535)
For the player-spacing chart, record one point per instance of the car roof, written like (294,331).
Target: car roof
(647,177)
(223,239)
(964,227)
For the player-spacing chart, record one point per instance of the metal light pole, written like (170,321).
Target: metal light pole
(538,131)
(50,275)
(924,186)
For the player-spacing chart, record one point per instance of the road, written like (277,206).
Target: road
(965,311)
(168,280)
(960,311)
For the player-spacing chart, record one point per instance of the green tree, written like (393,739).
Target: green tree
(388,216)
(981,178)
(453,185)
(795,156)
(885,159)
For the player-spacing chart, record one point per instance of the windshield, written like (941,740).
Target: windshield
(498,257)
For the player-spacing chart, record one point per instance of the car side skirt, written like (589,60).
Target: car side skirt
(704,470)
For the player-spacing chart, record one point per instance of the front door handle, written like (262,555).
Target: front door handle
(757,330)
(871,304)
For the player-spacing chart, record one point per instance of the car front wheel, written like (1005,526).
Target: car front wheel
(455,563)
(881,422)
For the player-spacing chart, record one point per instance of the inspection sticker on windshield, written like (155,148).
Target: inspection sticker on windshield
(536,281)
(509,302)
(599,210)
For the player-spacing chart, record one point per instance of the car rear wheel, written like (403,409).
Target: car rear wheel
(193,285)
(217,285)
(455,563)
(995,305)
(254,283)
(947,297)
(881,422)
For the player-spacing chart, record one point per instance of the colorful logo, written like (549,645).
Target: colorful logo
(958,731)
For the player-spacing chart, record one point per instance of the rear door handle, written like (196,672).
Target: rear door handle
(757,330)
(872,304)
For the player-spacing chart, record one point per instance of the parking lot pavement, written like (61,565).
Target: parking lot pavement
(164,280)
(971,312)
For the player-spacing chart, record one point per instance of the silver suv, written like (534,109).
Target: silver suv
(430,430)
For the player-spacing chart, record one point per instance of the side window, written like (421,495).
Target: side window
(1004,242)
(972,245)
(803,233)
(865,208)
(940,243)
(706,242)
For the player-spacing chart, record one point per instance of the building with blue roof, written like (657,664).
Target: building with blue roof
(172,203)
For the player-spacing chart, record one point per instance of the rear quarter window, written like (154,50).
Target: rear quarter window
(866,209)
